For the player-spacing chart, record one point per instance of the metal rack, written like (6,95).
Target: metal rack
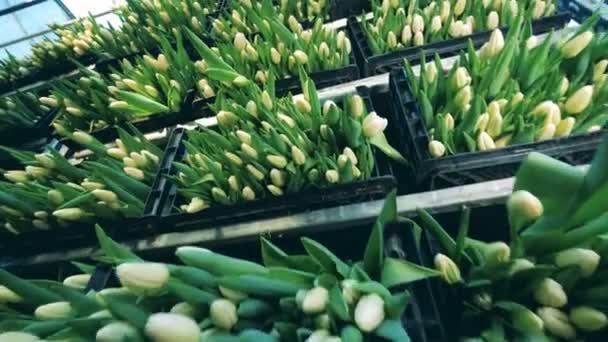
(341,217)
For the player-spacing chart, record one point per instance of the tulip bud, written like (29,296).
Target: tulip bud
(69,214)
(444,12)
(565,126)
(218,194)
(550,293)
(492,21)
(497,252)
(275,56)
(240,41)
(436,24)
(577,44)
(240,81)
(48,101)
(494,45)
(223,314)
(523,207)
(418,39)
(117,331)
(128,161)
(369,312)
(349,293)
(485,142)
(82,138)
(514,7)
(436,148)
(248,193)
(417,24)
(55,197)
(332,176)
(588,319)
(406,35)
(79,281)
(520,265)
(431,72)
(517,98)
(134,172)
(449,270)
(586,259)
(373,125)
(279,162)
(303,105)
(300,56)
(52,311)
(252,108)
(7,296)
(527,322)
(494,124)
(185,309)
(168,327)
(579,101)
(298,156)
(539,9)
(16,176)
(351,155)
(147,278)
(356,106)
(16,336)
(546,132)
(116,153)
(105,195)
(463,97)
(599,70)
(556,322)
(459,7)
(266,100)
(257,174)
(250,151)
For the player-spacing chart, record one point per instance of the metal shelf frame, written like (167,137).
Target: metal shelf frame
(340,217)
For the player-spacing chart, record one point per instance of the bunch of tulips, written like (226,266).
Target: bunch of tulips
(53,191)
(548,283)
(208,296)
(20,110)
(514,90)
(398,24)
(267,145)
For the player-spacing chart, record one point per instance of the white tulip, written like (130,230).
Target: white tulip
(168,327)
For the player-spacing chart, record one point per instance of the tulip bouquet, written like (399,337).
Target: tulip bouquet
(53,191)
(278,48)
(549,283)
(148,85)
(20,110)
(314,296)
(11,70)
(514,91)
(70,42)
(272,146)
(157,19)
(398,24)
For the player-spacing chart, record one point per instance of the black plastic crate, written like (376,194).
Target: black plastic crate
(371,64)
(583,9)
(377,187)
(82,234)
(471,167)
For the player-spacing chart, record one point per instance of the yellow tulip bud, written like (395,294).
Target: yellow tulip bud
(579,101)
(577,44)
